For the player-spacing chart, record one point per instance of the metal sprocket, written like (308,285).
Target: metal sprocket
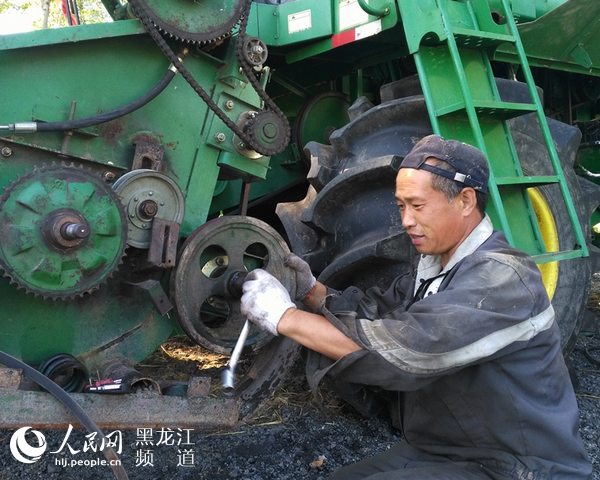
(145,16)
(196,22)
(63,232)
(267,131)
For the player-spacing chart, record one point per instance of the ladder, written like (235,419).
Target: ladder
(451,42)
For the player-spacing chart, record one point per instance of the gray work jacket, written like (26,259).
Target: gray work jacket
(478,364)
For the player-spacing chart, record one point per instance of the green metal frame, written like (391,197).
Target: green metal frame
(53,71)
(452,42)
(574,45)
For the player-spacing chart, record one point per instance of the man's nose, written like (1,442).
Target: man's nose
(408,220)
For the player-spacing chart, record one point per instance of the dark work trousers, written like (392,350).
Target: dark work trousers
(404,461)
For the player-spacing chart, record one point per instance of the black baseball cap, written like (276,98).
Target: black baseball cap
(470,163)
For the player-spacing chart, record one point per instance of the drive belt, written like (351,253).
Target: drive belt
(250,133)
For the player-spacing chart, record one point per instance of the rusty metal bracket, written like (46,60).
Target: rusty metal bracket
(148,154)
(157,294)
(163,244)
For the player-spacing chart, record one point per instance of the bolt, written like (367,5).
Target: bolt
(6,152)
(270,130)
(229,104)
(241,145)
(109,176)
(150,193)
(220,261)
(220,137)
(75,231)
(148,209)
(136,199)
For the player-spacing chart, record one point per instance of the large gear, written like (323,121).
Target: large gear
(195,22)
(63,232)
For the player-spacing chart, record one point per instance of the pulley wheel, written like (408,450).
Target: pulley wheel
(147,194)
(204,285)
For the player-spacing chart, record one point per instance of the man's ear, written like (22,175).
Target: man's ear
(468,199)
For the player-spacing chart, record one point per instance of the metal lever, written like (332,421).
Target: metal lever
(234,285)
(228,376)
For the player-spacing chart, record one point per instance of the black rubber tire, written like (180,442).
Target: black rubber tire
(348,227)
(572,289)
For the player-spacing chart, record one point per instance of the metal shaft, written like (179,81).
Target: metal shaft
(228,377)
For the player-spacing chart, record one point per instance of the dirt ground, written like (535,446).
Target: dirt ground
(293,437)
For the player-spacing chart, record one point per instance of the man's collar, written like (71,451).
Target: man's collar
(430,265)
(475,239)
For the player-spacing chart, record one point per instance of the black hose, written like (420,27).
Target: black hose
(71,405)
(66,371)
(111,115)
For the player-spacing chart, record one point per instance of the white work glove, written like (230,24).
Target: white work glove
(305,280)
(265,300)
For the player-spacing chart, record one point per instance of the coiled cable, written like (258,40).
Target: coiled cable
(63,397)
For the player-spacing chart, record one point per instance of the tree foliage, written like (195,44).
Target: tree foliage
(90,11)
(19,6)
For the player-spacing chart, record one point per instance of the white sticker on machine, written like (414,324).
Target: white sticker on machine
(367,30)
(351,14)
(299,21)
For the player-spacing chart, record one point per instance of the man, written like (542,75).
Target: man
(472,345)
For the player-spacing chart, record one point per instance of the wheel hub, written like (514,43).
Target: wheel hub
(210,272)
(146,195)
(65,228)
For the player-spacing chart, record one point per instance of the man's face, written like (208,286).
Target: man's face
(434,225)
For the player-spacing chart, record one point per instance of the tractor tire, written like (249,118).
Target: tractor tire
(348,227)
(572,280)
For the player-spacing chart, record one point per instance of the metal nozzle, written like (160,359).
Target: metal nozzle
(22,127)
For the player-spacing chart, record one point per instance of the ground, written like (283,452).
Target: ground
(293,437)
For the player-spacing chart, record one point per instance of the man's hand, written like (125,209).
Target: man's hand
(305,280)
(265,300)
